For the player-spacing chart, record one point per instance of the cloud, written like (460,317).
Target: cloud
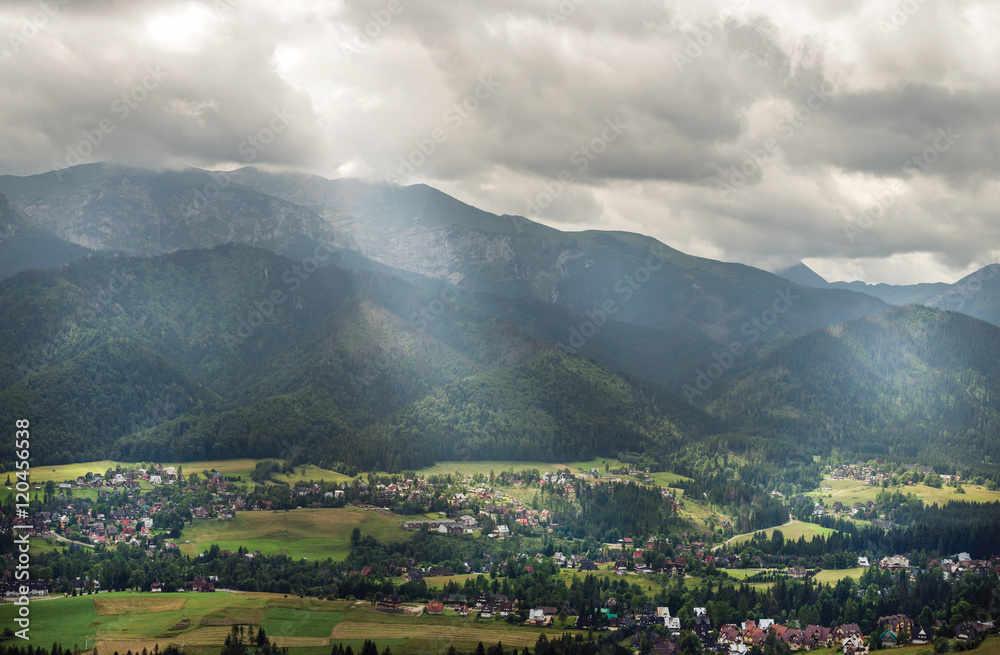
(756,133)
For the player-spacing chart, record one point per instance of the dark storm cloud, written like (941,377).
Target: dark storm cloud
(748,132)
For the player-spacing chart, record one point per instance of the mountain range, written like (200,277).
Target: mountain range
(198,314)
(976,294)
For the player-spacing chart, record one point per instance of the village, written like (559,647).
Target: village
(150,508)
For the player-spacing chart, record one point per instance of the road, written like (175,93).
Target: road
(62,538)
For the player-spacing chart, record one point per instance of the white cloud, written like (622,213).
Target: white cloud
(701,86)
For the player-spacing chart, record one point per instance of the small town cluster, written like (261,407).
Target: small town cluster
(617,585)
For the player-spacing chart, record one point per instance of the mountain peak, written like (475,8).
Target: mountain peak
(802,274)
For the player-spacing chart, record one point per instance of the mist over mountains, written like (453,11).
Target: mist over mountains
(201,313)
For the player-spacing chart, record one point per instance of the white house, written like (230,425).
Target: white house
(671,622)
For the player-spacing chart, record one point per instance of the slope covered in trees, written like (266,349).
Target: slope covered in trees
(912,384)
(236,350)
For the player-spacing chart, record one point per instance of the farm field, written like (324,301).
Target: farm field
(470,468)
(743,574)
(441,580)
(790,531)
(435,633)
(311,533)
(663,479)
(125,620)
(826,576)
(849,492)
(310,472)
(991,646)
(832,576)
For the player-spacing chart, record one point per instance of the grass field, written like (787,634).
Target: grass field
(663,479)
(434,632)
(310,472)
(826,576)
(791,532)
(311,533)
(743,574)
(582,467)
(130,621)
(442,580)
(470,468)
(849,492)
(832,576)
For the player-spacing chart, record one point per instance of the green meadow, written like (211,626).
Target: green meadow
(314,533)
(132,621)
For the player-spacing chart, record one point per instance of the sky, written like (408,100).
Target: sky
(860,137)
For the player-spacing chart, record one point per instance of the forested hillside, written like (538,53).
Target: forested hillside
(912,384)
(237,350)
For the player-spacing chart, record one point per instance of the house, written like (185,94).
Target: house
(671,622)
(156,587)
(854,645)
(703,627)
(969,630)
(895,563)
(922,636)
(796,572)
(486,612)
(897,623)
(434,607)
(863,561)
(818,637)
(537,617)
(201,584)
(730,635)
(668,646)
(463,610)
(845,631)
(796,639)
(888,639)
(389,602)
